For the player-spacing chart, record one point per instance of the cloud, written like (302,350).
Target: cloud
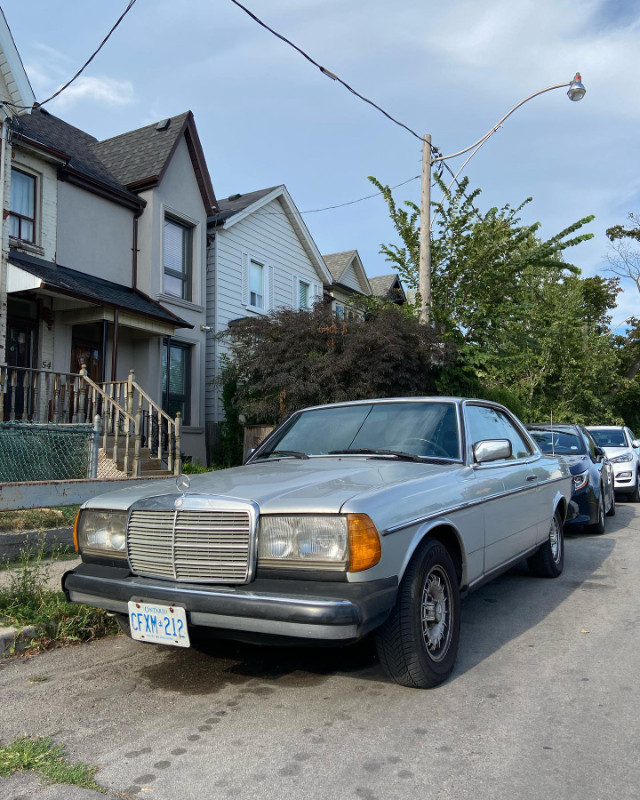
(49,69)
(106,91)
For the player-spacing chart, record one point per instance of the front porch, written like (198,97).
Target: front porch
(137,437)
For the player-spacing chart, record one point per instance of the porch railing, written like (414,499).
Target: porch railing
(158,431)
(131,419)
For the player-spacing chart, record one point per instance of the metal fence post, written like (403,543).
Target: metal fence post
(95,446)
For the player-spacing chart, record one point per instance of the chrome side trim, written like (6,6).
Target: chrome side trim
(489,576)
(442,512)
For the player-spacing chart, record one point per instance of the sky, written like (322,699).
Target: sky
(266,116)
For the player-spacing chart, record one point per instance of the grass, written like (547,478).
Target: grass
(27,600)
(37,519)
(41,755)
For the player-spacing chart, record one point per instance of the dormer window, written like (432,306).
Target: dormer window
(22,207)
(177,257)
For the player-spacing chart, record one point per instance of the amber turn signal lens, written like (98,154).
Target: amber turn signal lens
(364,543)
(75,532)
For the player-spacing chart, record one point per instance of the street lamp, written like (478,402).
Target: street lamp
(575,92)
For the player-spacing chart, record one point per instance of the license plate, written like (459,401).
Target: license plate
(150,622)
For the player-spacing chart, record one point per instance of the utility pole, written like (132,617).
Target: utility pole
(424,267)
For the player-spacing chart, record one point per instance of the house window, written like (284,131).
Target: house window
(22,210)
(176,380)
(177,254)
(304,295)
(256,284)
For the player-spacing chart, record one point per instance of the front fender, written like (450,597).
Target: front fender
(445,530)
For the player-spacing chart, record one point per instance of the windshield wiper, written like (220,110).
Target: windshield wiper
(282,454)
(365,451)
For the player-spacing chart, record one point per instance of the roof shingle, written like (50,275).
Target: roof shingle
(97,290)
(140,155)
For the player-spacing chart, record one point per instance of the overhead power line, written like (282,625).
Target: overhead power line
(360,199)
(325,71)
(333,76)
(86,63)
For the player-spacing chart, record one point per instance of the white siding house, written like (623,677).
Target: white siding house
(261,257)
(348,282)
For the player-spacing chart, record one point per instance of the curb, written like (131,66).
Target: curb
(15,640)
(12,543)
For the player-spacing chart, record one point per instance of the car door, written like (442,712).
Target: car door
(512,517)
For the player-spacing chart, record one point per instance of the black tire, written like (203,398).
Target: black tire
(414,649)
(598,527)
(612,508)
(634,496)
(548,561)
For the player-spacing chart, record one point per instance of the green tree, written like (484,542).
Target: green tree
(527,326)
(290,359)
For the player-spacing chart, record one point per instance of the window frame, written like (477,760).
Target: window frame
(186,275)
(185,399)
(21,217)
(263,267)
(503,415)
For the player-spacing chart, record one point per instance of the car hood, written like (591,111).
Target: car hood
(576,463)
(317,485)
(612,452)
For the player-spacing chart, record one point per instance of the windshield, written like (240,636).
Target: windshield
(428,430)
(559,443)
(609,437)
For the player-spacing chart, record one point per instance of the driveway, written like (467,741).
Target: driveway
(543,703)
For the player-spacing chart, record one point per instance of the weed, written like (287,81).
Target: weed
(196,468)
(42,756)
(26,600)
(37,519)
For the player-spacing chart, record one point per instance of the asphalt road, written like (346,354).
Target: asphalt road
(543,704)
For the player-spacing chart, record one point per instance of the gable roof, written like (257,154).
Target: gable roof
(140,158)
(236,203)
(339,264)
(12,70)
(95,290)
(237,207)
(72,147)
(388,286)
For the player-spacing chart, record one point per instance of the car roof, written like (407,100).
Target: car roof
(606,427)
(562,427)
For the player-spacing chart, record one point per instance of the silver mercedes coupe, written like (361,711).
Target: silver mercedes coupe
(354,518)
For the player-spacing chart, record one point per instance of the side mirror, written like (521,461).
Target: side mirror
(599,453)
(491,450)
(635,443)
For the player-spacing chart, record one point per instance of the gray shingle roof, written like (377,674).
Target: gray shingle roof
(236,203)
(141,155)
(56,134)
(388,286)
(338,262)
(96,290)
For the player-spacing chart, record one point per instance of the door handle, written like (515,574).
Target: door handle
(531,478)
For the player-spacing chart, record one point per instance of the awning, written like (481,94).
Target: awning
(29,273)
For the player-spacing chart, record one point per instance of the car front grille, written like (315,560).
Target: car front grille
(203,545)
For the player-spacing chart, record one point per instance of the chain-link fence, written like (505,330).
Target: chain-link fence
(49,452)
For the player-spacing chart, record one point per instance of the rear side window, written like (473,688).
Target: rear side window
(490,423)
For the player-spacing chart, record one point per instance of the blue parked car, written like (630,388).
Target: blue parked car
(592,492)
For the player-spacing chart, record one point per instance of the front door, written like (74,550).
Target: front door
(88,354)
(21,352)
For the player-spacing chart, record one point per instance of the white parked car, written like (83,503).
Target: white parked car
(371,516)
(623,451)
